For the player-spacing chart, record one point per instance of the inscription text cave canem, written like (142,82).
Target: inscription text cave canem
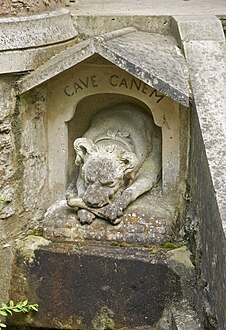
(114,81)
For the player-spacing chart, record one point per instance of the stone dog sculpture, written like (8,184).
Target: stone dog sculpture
(119,160)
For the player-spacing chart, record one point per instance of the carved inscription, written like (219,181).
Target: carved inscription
(114,81)
(81,84)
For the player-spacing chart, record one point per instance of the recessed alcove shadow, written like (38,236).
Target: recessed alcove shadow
(84,112)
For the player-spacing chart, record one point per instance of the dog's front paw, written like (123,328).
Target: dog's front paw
(85,217)
(112,212)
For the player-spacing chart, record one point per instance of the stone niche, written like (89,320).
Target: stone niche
(69,103)
(101,272)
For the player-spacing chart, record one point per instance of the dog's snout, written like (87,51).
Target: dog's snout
(96,195)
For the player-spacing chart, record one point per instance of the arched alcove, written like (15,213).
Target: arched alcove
(84,112)
(91,80)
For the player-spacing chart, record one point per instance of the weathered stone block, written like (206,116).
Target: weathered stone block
(8,207)
(209,29)
(5,273)
(204,48)
(33,149)
(36,30)
(28,41)
(93,287)
(7,102)
(138,226)
(7,152)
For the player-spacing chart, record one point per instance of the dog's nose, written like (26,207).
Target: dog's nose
(96,195)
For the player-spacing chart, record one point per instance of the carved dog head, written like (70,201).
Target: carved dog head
(105,168)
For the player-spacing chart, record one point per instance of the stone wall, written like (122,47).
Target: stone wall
(8,167)
(203,43)
(22,160)
(206,234)
(9,226)
(33,155)
(23,164)
(22,119)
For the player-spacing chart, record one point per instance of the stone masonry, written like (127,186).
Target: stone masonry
(40,57)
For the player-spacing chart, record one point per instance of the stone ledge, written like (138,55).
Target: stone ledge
(29,59)
(139,226)
(203,28)
(29,41)
(93,286)
(36,30)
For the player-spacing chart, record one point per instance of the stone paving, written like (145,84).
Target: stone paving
(150,7)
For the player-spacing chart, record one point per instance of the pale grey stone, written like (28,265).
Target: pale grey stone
(154,56)
(91,26)
(139,225)
(179,260)
(29,59)
(59,63)
(7,152)
(180,316)
(185,318)
(6,257)
(209,29)
(33,149)
(207,68)
(36,30)
(205,58)
(157,61)
(204,52)
(28,246)
(118,159)
(148,7)
(26,42)
(8,207)
(7,97)
(34,180)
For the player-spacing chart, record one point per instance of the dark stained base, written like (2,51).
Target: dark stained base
(94,286)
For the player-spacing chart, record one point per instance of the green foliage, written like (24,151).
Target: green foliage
(2,200)
(20,307)
(170,245)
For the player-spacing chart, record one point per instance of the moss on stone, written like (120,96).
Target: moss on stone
(104,320)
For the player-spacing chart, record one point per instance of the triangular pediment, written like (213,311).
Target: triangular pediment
(154,59)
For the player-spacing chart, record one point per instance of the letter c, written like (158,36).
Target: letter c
(111,80)
(68,92)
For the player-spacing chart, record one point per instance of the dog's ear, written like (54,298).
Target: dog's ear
(83,146)
(130,162)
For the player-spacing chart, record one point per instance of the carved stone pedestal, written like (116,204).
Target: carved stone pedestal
(146,222)
(80,286)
